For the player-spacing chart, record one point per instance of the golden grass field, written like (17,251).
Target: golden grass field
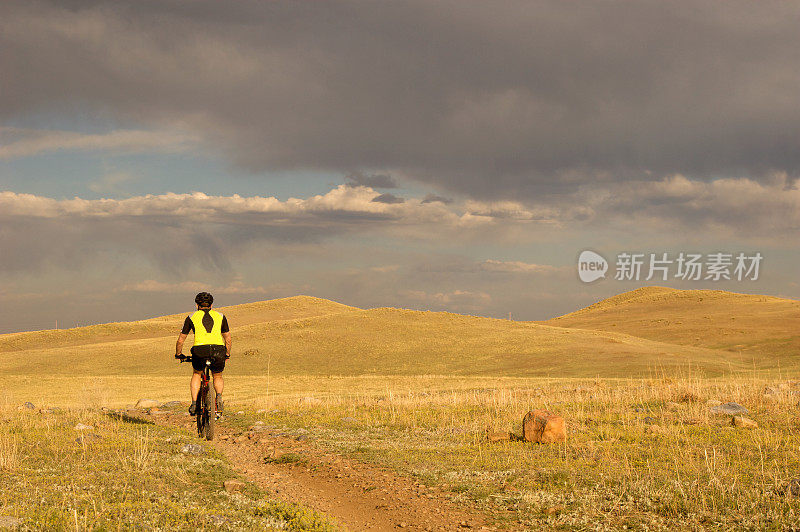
(634,376)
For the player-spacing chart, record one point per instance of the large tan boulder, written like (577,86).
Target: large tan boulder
(540,426)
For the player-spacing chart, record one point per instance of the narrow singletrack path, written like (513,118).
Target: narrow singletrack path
(358,496)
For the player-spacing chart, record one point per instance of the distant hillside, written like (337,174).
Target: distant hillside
(308,336)
(765,328)
(238,315)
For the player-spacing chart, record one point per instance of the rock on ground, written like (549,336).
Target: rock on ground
(88,437)
(743,422)
(310,401)
(193,448)
(497,436)
(81,426)
(729,409)
(147,403)
(233,485)
(792,489)
(540,426)
(29,405)
(9,521)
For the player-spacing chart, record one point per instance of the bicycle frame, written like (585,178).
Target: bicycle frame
(206,412)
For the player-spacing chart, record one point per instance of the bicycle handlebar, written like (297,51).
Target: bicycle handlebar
(183,358)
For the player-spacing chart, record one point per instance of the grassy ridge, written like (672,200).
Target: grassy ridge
(633,334)
(391,342)
(764,328)
(241,315)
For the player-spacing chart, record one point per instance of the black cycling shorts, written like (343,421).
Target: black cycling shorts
(215,352)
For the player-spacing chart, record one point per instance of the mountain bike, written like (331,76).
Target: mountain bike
(206,413)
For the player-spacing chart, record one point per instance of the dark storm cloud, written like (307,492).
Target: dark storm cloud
(495,99)
(360,179)
(431,198)
(391,199)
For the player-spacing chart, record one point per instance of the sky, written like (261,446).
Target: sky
(433,155)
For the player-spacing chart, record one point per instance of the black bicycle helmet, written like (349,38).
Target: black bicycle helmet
(204,299)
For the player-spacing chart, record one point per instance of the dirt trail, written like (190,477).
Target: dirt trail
(358,496)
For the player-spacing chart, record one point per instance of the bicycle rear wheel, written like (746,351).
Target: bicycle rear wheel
(201,408)
(211,411)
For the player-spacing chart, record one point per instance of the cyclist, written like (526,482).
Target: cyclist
(212,339)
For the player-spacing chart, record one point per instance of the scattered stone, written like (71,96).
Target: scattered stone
(88,437)
(302,437)
(224,437)
(495,437)
(555,510)
(147,403)
(792,489)
(218,520)
(193,448)
(46,411)
(655,429)
(729,409)
(310,401)
(81,426)
(688,397)
(349,419)
(240,412)
(173,404)
(769,390)
(540,426)
(233,485)
(650,420)
(402,524)
(9,521)
(28,406)
(743,422)
(261,411)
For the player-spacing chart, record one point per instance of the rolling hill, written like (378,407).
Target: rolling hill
(634,334)
(765,329)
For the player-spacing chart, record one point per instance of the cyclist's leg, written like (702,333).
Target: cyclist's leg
(219,382)
(194,385)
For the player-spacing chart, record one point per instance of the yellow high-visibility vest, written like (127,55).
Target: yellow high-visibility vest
(203,336)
